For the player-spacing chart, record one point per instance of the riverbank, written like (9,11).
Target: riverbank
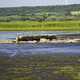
(39,37)
(41,41)
(7,41)
(40,26)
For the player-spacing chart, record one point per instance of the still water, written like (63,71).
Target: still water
(38,48)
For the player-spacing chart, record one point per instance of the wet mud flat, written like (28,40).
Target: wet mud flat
(40,67)
(40,61)
(7,41)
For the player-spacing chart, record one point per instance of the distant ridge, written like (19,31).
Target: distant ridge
(9,11)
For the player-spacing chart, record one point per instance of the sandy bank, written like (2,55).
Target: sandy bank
(7,41)
(41,41)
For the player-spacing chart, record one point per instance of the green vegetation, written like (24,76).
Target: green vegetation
(39,10)
(40,67)
(57,18)
(45,25)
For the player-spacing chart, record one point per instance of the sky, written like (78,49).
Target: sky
(14,3)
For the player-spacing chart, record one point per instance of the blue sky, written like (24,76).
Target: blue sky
(13,3)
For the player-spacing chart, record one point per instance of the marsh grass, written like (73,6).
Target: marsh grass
(45,25)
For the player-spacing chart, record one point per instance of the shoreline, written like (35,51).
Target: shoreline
(41,41)
(60,38)
(7,41)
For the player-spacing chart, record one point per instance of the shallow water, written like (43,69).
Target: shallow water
(38,48)
(41,48)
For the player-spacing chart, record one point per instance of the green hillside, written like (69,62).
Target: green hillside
(65,9)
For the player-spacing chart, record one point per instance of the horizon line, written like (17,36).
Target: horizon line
(39,5)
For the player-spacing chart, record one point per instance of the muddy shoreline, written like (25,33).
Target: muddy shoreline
(60,38)
(42,41)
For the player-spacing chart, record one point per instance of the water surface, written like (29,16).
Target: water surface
(38,48)
(41,48)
